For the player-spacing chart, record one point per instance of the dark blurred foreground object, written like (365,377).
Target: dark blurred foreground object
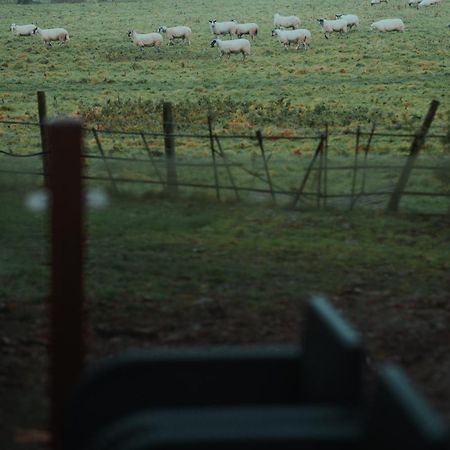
(259,398)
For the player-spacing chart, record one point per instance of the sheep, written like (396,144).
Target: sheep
(300,36)
(219,28)
(351,19)
(286,21)
(388,25)
(49,35)
(377,2)
(22,30)
(329,26)
(413,2)
(179,32)
(232,46)
(428,3)
(145,40)
(246,28)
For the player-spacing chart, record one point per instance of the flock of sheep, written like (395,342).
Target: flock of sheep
(286,29)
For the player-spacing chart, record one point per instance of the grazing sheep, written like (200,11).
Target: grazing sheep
(388,25)
(330,26)
(377,2)
(219,28)
(22,30)
(145,40)
(413,2)
(179,32)
(246,28)
(232,46)
(50,35)
(351,19)
(286,21)
(428,3)
(300,36)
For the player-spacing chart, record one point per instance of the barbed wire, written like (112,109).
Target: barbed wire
(280,136)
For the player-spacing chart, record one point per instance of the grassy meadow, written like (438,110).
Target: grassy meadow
(346,81)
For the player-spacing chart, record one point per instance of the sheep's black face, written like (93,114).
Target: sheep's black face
(129,33)
(274,32)
(35,30)
(213,43)
(320,21)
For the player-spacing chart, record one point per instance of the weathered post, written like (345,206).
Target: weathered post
(169,147)
(319,149)
(213,156)
(416,145)
(259,138)
(355,168)
(42,112)
(64,138)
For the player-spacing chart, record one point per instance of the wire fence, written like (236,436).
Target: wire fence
(326,169)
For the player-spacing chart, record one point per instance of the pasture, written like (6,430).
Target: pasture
(345,81)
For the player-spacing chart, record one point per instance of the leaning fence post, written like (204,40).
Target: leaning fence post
(355,168)
(169,148)
(325,166)
(42,111)
(102,154)
(414,150)
(213,155)
(227,165)
(319,149)
(64,138)
(266,167)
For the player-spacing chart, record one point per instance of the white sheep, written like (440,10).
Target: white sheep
(232,46)
(300,36)
(246,28)
(221,28)
(145,40)
(388,25)
(330,26)
(428,3)
(22,30)
(351,19)
(377,2)
(50,35)
(178,32)
(286,21)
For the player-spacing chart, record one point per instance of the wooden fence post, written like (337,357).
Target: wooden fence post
(42,112)
(355,168)
(169,148)
(102,154)
(213,155)
(414,150)
(64,137)
(259,138)
(319,149)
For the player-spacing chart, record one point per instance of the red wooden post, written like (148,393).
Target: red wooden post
(64,140)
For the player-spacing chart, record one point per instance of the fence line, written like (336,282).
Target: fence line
(313,183)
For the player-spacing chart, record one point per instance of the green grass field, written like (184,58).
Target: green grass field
(346,80)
